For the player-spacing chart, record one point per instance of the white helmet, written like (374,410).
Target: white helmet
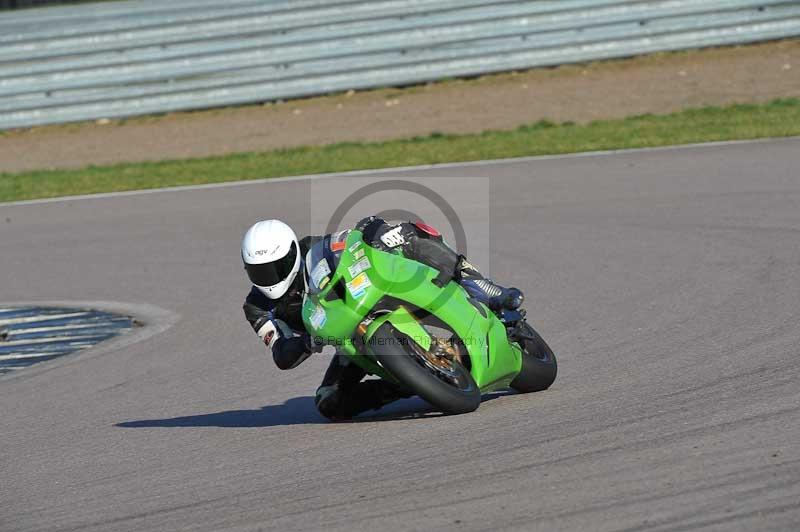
(271,256)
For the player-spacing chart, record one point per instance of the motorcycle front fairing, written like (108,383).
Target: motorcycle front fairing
(361,277)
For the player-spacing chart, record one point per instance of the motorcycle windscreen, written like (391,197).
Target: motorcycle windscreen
(322,260)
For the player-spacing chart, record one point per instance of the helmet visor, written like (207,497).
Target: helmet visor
(272,273)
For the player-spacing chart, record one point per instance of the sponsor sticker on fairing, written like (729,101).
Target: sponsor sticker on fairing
(320,272)
(318,317)
(359,267)
(355,246)
(358,254)
(358,286)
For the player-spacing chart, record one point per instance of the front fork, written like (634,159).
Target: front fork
(514,320)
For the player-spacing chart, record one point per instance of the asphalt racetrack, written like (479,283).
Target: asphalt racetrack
(667,282)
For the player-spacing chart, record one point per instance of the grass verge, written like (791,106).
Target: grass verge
(780,118)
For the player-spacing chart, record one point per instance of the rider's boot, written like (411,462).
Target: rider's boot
(340,405)
(493,295)
(342,395)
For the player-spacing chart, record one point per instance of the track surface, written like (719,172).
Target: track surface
(668,282)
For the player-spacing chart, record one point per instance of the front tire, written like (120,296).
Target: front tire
(394,353)
(539,365)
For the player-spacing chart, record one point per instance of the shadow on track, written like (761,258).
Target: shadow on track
(295,411)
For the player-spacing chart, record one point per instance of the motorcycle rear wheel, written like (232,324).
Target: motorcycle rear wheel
(396,355)
(539,365)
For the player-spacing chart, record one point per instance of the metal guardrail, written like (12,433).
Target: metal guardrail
(19,4)
(119,59)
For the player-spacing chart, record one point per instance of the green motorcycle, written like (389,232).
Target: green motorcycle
(409,324)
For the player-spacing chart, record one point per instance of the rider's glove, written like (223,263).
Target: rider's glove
(270,330)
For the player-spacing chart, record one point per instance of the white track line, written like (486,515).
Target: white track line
(41,317)
(55,328)
(377,171)
(64,339)
(25,356)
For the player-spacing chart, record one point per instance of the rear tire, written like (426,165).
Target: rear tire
(539,365)
(392,351)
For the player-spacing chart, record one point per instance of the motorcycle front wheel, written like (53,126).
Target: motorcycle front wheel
(539,366)
(450,389)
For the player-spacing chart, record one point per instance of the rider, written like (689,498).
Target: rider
(273,257)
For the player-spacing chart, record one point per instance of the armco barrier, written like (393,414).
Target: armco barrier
(15,4)
(118,59)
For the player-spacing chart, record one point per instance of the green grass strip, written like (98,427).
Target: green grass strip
(780,118)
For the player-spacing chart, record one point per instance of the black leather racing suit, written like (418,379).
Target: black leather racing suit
(342,393)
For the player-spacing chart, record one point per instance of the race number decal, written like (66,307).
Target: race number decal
(393,238)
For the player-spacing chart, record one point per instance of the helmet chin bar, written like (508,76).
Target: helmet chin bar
(278,290)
